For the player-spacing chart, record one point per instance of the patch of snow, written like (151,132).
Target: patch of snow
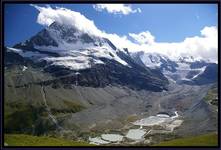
(74,63)
(10,49)
(185,79)
(201,71)
(168,77)
(24,68)
(28,54)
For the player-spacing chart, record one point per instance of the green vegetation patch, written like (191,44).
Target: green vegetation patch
(22,118)
(28,140)
(70,107)
(212,96)
(210,139)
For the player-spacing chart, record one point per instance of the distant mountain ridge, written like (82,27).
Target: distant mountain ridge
(184,70)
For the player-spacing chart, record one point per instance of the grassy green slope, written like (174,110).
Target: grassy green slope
(28,140)
(212,96)
(210,139)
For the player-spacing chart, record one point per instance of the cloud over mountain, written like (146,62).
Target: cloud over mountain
(204,46)
(143,37)
(48,15)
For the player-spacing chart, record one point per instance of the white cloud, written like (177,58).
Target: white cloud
(116,8)
(143,37)
(48,15)
(204,46)
(209,31)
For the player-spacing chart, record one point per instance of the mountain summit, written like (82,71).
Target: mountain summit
(62,50)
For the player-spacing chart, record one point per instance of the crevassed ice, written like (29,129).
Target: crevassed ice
(64,48)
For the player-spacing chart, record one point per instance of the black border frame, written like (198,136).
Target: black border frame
(217,2)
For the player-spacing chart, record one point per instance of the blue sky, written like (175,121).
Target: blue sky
(167,22)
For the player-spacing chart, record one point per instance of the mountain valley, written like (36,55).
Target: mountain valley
(66,83)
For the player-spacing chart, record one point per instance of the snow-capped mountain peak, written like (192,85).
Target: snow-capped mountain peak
(151,60)
(62,50)
(155,60)
(190,59)
(77,50)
